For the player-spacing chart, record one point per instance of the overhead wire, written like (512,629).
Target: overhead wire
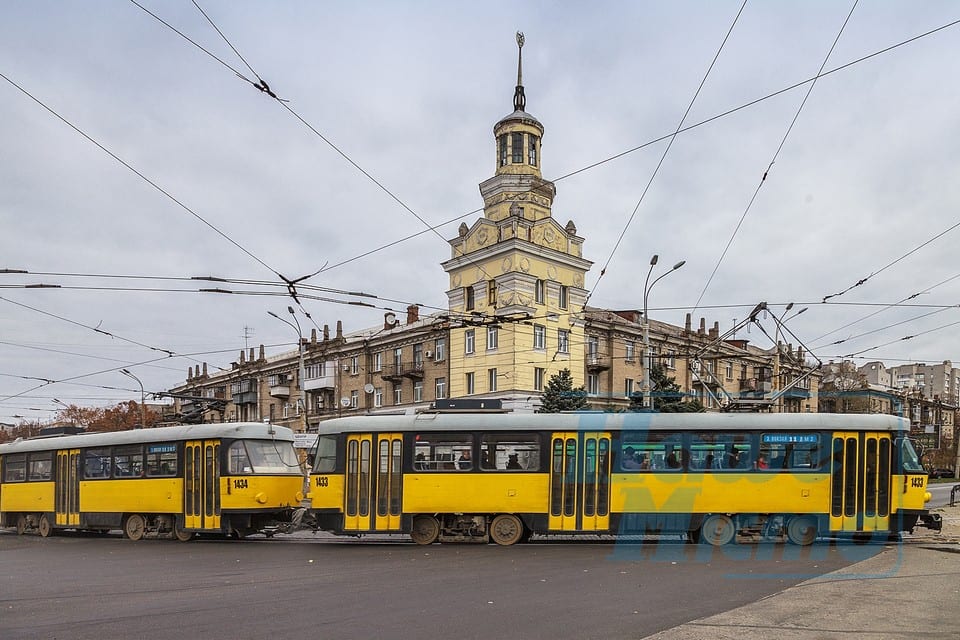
(666,151)
(773,160)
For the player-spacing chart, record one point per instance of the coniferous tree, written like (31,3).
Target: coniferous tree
(560,394)
(666,395)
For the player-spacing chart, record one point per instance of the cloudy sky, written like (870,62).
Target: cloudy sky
(865,183)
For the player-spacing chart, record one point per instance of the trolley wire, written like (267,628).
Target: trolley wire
(776,154)
(663,156)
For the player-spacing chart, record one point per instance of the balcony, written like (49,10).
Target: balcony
(245,397)
(395,372)
(755,385)
(280,391)
(598,362)
(322,382)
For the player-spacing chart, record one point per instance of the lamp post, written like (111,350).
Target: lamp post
(143,413)
(647,286)
(303,390)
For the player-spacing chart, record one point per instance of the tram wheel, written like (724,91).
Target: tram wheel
(506,529)
(718,529)
(802,530)
(425,530)
(181,535)
(21,524)
(134,527)
(45,528)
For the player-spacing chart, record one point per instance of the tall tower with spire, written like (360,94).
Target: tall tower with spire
(516,276)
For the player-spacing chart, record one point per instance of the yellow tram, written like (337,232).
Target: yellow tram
(502,477)
(234,479)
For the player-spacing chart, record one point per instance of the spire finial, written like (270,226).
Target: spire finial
(519,100)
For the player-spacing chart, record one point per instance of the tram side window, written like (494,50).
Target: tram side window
(128,462)
(40,466)
(96,463)
(326,455)
(780,451)
(721,451)
(442,452)
(161,460)
(513,452)
(908,455)
(653,451)
(15,468)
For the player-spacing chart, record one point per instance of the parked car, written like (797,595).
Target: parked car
(940,473)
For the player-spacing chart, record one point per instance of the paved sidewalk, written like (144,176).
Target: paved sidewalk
(908,590)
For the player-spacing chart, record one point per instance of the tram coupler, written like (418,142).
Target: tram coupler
(932,521)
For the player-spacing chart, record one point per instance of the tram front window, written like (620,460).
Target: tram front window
(254,456)
(911,462)
(326,455)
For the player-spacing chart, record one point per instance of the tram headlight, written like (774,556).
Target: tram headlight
(261,498)
(927,496)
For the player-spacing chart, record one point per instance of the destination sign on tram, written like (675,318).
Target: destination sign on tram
(789,438)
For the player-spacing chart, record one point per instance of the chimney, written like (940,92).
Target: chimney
(262,354)
(313,336)
(243,357)
(686,323)
(413,313)
(326,332)
(189,373)
(339,330)
(204,369)
(703,326)
(251,354)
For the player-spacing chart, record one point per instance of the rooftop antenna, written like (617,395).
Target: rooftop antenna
(247,334)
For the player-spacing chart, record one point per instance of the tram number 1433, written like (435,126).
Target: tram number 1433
(322,481)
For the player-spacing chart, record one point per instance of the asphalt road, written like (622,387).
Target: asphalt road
(82,587)
(940,492)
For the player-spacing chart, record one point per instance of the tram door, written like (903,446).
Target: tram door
(67,487)
(201,484)
(580,482)
(374,482)
(860,482)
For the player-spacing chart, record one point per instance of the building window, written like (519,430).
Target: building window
(492,338)
(671,361)
(418,355)
(378,397)
(729,371)
(516,141)
(563,341)
(441,388)
(469,383)
(630,347)
(314,371)
(563,296)
(469,341)
(354,399)
(398,394)
(593,384)
(418,391)
(503,150)
(538,376)
(492,293)
(439,348)
(355,365)
(378,361)
(468,293)
(593,347)
(539,289)
(397,358)
(628,387)
(492,379)
(532,150)
(539,337)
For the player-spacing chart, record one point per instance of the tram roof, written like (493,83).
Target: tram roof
(599,421)
(251,430)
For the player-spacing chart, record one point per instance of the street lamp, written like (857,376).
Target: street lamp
(143,413)
(303,389)
(647,286)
